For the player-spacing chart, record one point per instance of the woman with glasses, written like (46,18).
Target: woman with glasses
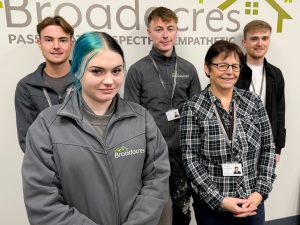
(95,159)
(221,129)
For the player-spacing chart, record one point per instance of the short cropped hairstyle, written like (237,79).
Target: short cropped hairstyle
(256,24)
(86,47)
(163,13)
(223,47)
(57,21)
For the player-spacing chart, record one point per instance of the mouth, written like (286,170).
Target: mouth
(165,42)
(56,53)
(227,79)
(107,91)
(259,49)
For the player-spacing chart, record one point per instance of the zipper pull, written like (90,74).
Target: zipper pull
(59,99)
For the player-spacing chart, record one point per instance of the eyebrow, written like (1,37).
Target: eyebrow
(99,67)
(46,36)
(158,26)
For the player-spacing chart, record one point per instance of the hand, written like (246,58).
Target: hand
(252,202)
(255,198)
(235,205)
(251,212)
(277,157)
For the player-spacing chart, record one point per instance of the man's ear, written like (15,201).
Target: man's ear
(149,33)
(72,42)
(38,42)
(244,43)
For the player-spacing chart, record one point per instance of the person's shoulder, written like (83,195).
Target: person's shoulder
(187,66)
(129,106)
(139,67)
(31,76)
(27,77)
(185,62)
(200,102)
(47,116)
(137,108)
(51,112)
(273,70)
(245,94)
(271,65)
(248,100)
(141,62)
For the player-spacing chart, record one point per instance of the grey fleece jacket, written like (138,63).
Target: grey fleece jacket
(71,177)
(30,100)
(143,86)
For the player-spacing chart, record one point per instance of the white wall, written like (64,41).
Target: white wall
(18,59)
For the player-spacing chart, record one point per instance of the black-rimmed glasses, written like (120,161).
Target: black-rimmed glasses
(225,66)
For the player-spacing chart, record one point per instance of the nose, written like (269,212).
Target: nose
(165,33)
(229,69)
(108,80)
(259,41)
(56,44)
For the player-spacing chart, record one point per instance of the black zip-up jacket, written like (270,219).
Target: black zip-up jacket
(30,100)
(144,87)
(275,101)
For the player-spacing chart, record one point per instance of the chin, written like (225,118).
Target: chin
(57,62)
(259,54)
(228,86)
(165,49)
(106,98)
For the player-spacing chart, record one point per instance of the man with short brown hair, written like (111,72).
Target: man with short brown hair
(52,81)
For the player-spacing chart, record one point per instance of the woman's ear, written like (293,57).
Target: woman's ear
(206,69)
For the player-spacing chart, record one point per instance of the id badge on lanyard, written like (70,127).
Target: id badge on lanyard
(172,114)
(230,168)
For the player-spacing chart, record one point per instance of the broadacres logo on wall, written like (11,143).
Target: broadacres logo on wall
(200,22)
(252,7)
(123,151)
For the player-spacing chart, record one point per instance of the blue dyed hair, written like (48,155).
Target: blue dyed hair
(86,47)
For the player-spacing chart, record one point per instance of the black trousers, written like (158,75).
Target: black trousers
(206,216)
(180,192)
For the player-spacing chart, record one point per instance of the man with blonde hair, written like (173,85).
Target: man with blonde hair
(162,82)
(263,78)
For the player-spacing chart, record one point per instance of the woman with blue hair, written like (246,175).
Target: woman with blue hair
(95,159)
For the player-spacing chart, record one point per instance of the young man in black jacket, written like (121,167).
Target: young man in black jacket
(51,82)
(263,78)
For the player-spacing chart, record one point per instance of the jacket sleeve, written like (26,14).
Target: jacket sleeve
(281,132)
(190,143)
(43,197)
(266,162)
(195,86)
(26,113)
(154,194)
(132,87)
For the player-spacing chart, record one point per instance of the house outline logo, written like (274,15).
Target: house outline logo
(282,14)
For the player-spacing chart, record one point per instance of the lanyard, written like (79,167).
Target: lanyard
(261,83)
(48,97)
(161,80)
(233,125)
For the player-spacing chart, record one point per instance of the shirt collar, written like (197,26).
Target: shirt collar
(158,56)
(214,100)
